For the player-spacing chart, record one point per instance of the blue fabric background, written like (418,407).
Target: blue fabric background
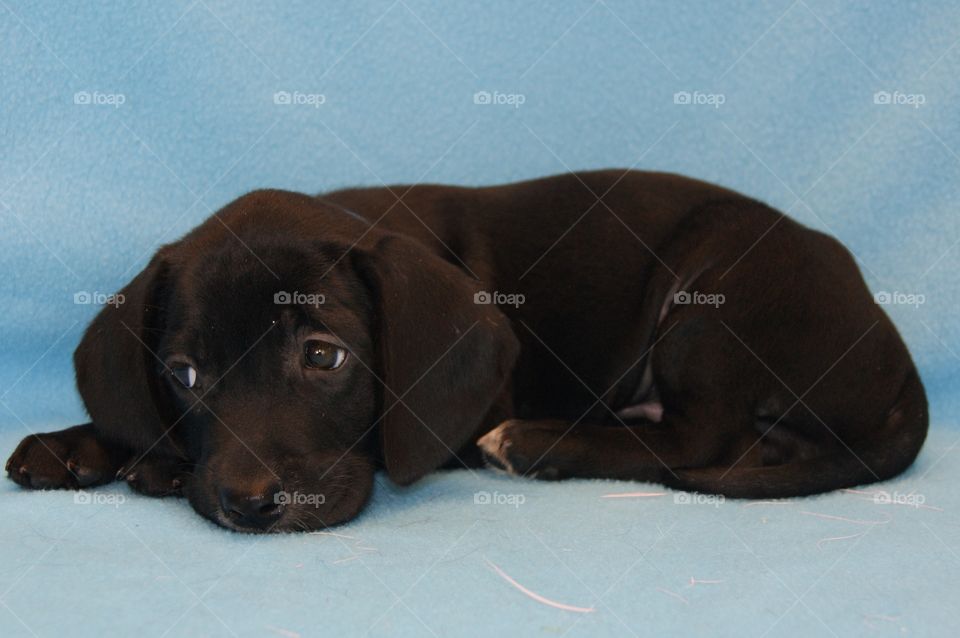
(124,126)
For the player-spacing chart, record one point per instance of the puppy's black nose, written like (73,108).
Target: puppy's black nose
(258,508)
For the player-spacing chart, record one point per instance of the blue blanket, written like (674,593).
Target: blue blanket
(125,125)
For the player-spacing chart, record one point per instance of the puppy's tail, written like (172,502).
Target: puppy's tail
(886,453)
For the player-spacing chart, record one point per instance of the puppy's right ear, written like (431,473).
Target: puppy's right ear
(115,366)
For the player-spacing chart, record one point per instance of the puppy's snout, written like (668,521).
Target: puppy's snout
(257,508)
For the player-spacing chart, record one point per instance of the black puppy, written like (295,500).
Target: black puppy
(610,324)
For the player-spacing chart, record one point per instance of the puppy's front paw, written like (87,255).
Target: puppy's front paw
(525,448)
(70,459)
(154,476)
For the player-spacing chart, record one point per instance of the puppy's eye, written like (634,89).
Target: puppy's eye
(323,355)
(186,375)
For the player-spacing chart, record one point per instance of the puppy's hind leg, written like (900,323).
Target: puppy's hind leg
(551,449)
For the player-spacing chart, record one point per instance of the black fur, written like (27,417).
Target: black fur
(782,378)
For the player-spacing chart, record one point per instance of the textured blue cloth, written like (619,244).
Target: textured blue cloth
(124,126)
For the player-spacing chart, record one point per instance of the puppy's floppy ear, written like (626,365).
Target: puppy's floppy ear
(115,368)
(445,355)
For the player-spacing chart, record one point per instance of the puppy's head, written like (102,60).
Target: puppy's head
(284,351)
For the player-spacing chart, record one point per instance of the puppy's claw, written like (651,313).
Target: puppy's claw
(84,475)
